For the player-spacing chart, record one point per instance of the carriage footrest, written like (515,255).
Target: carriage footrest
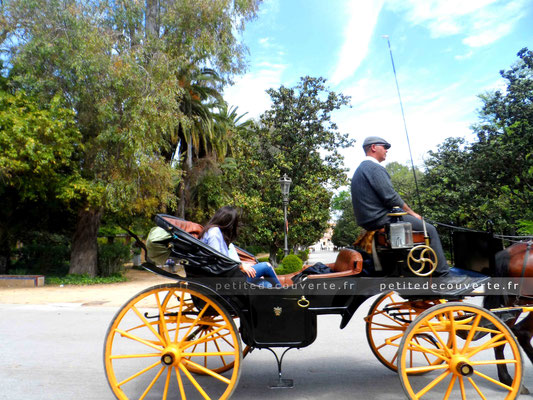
(461,282)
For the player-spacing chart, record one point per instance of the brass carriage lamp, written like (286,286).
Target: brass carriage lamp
(285,183)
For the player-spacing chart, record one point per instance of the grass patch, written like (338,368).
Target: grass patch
(83,279)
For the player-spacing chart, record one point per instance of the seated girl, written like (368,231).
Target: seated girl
(221,231)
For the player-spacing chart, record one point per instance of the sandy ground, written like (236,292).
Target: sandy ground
(112,294)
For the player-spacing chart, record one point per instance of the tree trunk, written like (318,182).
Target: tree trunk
(152,18)
(5,251)
(84,248)
(273,256)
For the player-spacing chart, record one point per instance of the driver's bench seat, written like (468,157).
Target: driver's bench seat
(349,262)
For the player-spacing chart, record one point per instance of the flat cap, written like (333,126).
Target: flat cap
(375,140)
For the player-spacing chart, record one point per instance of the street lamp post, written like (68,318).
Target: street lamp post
(285,183)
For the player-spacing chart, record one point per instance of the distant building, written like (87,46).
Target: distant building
(325,243)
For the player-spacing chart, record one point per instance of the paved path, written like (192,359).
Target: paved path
(322,256)
(52,349)
(55,352)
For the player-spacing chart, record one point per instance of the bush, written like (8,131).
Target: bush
(304,255)
(83,279)
(263,259)
(280,254)
(43,253)
(255,249)
(291,263)
(111,258)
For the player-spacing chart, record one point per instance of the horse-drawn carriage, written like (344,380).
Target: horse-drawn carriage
(184,340)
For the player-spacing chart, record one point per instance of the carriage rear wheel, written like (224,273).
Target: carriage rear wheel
(466,336)
(387,320)
(171,304)
(162,334)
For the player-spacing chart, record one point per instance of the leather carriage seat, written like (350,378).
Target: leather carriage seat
(191,228)
(349,262)
(194,229)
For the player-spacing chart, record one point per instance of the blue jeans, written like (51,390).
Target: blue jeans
(264,270)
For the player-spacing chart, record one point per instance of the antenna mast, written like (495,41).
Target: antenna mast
(405,126)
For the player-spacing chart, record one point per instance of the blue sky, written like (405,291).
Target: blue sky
(446,53)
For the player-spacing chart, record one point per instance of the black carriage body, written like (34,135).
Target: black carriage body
(277,320)
(287,317)
(281,317)
(275,317)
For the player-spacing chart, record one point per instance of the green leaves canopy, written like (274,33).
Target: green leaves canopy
(492,178)
(116,65)
(298,137)
(38,146)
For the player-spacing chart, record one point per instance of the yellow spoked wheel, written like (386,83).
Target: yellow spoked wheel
(466,336)
(387,320)
(205,329)
(160,336)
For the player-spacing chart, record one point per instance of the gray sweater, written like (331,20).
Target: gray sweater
(373,195)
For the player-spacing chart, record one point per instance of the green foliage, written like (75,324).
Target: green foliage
(255,249)
(121,70)
(43,253)
(295,136)
(291,263)
(83,279)
(304,255)
(112,257)
(263,259)
(346,229)
(492,178)
(38,145)
(526,227)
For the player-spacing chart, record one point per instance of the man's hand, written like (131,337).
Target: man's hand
(409,211)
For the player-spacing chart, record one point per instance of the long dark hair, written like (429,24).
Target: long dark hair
(227,219)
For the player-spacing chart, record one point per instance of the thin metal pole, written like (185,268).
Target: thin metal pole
(286,248)
(405,126)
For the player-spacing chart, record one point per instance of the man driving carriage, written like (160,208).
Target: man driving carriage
(373,196)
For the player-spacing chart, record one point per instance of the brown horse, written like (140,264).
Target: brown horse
(515,261)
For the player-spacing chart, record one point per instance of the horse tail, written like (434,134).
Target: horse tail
(501,269)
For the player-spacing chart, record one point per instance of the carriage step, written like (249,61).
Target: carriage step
(280,383)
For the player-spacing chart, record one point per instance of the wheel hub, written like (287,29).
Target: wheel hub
(171,356)
(460,366)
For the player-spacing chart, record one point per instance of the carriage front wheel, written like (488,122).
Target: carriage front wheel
(153,344)
(463,337)
(387,320)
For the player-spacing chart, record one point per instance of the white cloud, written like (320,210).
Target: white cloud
(432,115)
(363,16)
(465,56)
(482,22)
(249,91)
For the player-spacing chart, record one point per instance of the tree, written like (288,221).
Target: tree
(492,178)
(346,229)
(297,137)
(38,152)
(115,63)
(503,162)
